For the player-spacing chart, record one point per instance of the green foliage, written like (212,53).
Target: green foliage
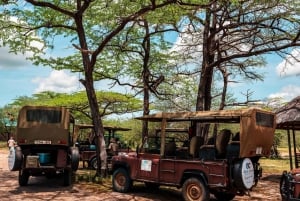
(110,103)
(131,137)
(112,36)
(278,138)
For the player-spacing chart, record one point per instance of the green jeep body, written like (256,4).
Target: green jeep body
(44,139)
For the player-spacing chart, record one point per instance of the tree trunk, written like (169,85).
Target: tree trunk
(204,97)
(98,128)
(146,110)
(146,77)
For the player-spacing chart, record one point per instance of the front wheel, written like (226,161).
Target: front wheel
(285,186)
(75,156)
(23,177)
(193,189)
(121,181)
(94,164)
(67,177)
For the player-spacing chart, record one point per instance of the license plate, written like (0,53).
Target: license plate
(42,141)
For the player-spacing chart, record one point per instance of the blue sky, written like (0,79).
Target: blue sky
(281,80)
(19,77)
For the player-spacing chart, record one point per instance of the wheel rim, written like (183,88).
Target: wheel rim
(194,192)
(94,164)
(121,180)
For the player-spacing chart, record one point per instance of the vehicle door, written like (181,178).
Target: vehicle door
(167,170)
(148,161)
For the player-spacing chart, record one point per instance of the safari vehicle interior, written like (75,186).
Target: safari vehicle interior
(233,134)
(84,140)
(175,137)
(84,136)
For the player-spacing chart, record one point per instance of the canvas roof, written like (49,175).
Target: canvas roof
(201,116)
(112,128)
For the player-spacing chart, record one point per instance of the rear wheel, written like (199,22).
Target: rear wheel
(23,178)
(67,177)
(121,181)
(193,189)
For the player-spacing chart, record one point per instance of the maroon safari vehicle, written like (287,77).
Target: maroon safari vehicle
(225,164)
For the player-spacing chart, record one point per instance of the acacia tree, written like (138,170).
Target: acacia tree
(110,103)
(237,35)
(88,25)
(231,38)
(147,60)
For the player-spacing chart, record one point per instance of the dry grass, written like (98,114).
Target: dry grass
(274,166)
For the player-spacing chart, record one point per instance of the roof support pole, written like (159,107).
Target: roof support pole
(295,149)
(163,136)
(290,150)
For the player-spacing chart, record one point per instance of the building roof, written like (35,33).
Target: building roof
(288,116)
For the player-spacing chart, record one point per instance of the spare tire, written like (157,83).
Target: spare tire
(15,158)
(243,174)
(75,156)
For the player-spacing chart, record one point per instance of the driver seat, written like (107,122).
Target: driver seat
(194,147)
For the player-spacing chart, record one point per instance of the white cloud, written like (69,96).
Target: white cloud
(287,93)
(10,60)
(290,66)
(58,81)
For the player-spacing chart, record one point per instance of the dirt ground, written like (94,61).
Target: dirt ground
(40,188)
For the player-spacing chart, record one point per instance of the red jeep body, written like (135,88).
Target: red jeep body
(225,168)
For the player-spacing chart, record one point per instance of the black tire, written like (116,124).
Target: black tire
(93,163)
(75,157)
(23,177)
(15,159)
(67,177)
(224,196)
(285,187)
(241,181)
(121,181)
(193,189)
